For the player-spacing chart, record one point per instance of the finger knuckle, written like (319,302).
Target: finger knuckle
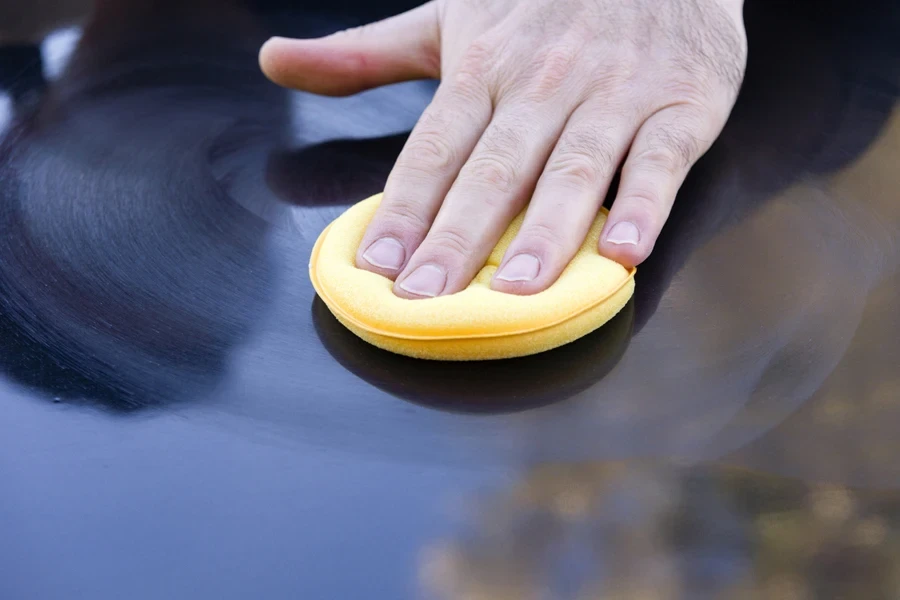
(429,151)
(453,243)
(497,162)
(644,198)
(543,236)
(670,150)
(690,89)
(556,66)
(475,65)
(404,215)
(584,158)
(624,60)
(495,171)
(505,140)
(580,170)
(468,88)
(658,158)
(609,78)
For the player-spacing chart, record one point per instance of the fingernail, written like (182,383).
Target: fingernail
(386,253)
(522,267)
(624,233)
(427,280)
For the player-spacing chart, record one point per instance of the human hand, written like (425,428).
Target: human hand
(540,103)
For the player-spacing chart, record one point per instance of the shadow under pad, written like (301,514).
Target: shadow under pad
(508,385)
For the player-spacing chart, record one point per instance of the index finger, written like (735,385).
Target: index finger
(432,157)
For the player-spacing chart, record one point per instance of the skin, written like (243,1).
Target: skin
(540,103)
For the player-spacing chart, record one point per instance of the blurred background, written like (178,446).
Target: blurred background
(180,417)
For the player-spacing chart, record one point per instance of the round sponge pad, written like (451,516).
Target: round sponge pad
(476,323)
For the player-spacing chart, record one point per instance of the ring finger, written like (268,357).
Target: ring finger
(568,197)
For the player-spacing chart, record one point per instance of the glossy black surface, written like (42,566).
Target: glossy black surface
(180,418)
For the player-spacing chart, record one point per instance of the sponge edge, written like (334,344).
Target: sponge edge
(476,323)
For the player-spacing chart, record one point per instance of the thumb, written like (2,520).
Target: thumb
(400,48)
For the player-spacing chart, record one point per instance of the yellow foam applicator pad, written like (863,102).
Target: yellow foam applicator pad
(476,323)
